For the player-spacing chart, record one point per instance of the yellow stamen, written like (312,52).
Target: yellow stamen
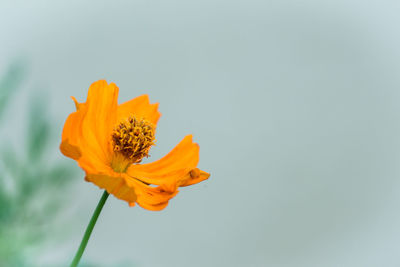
(131,141)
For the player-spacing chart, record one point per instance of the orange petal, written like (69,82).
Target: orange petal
(73,145)
(193,177)
(131,190)
(139,107)
(174,169)
(101,115)
(115,184)
(148,197)
(70,139)
(87,131)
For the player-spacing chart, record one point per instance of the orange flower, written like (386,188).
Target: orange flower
(109,140)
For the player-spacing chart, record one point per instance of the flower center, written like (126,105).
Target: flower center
(131,140)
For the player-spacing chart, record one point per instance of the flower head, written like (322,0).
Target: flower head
(109,141)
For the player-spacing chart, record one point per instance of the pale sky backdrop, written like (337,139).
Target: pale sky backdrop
(295,105)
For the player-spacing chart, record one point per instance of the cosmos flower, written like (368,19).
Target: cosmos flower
(109,141)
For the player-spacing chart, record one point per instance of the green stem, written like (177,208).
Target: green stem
(89,229)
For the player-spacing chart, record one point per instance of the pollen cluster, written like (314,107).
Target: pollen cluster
(133,138)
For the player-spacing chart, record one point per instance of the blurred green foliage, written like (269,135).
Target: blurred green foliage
(10,83)
(30,182)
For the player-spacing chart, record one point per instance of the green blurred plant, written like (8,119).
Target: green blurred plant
(30,183)
(10,83)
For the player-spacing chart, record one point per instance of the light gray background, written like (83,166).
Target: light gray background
(295,105)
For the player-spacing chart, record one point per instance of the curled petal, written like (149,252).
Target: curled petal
(193,177)
(148,197)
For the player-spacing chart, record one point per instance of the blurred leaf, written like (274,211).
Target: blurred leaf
(30,184)
(10,167)
(9,158)
(38,129)
(5,205)
(60,174)
(9,84)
